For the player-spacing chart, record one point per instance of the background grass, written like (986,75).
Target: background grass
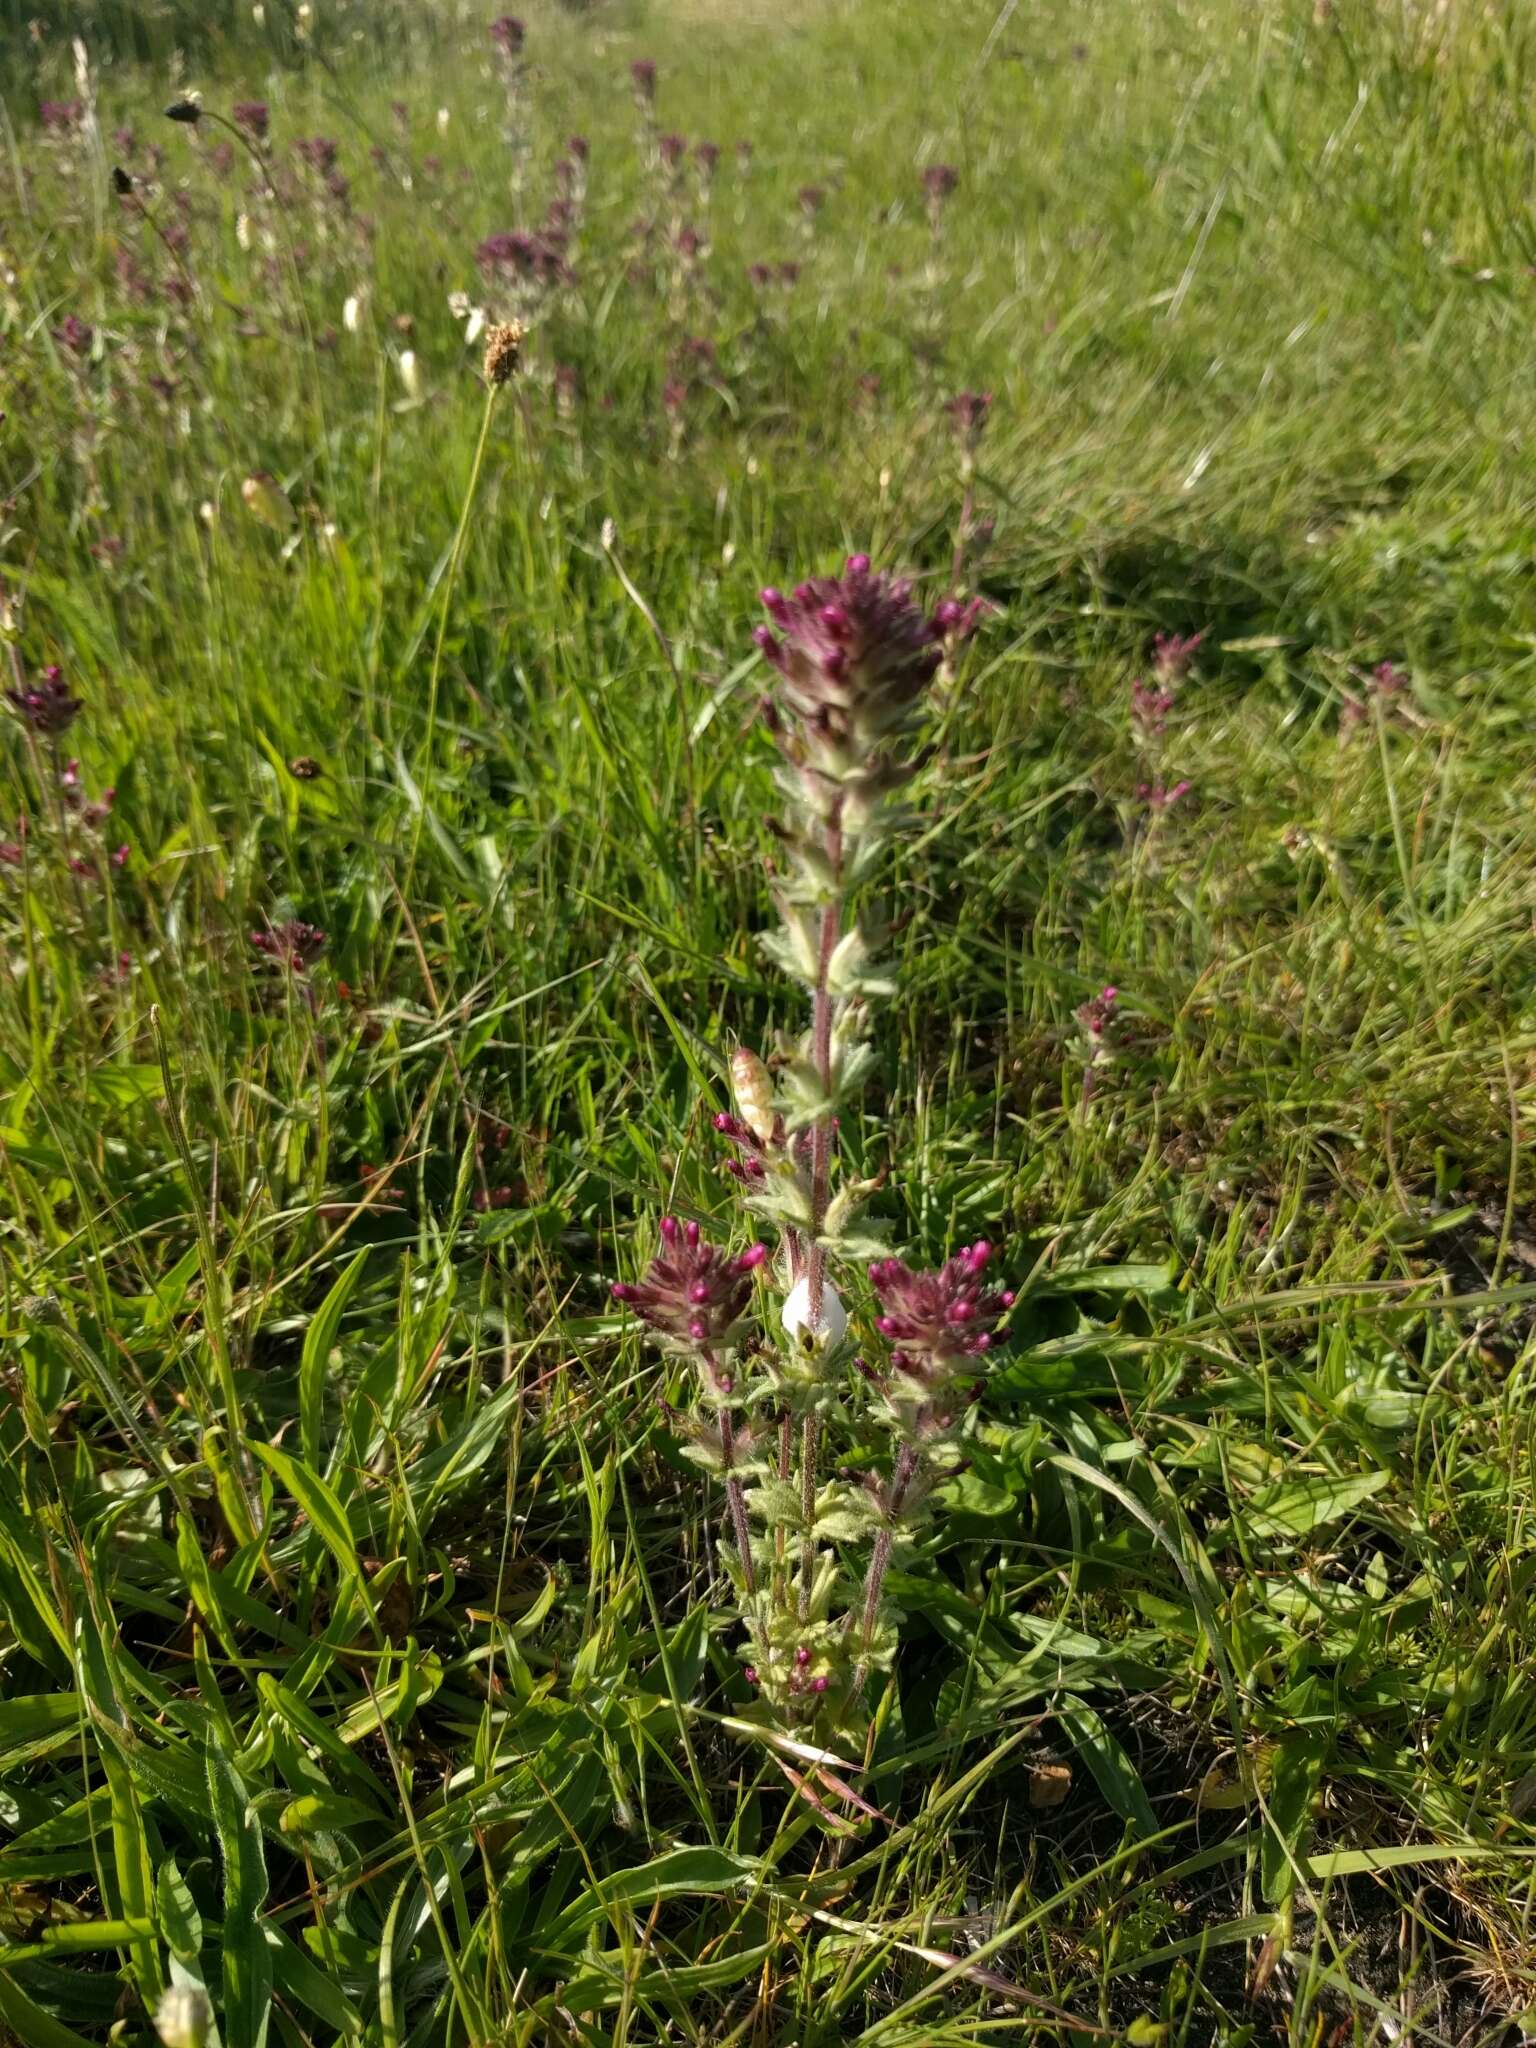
(361,1653)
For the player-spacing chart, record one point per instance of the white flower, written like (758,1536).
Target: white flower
(797,1316)
(352,313)
(410,373)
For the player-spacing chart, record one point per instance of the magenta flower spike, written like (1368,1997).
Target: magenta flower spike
(49,705)
(293,945)
(693,1292)
(1172,654)
(940,1318)
(855,653)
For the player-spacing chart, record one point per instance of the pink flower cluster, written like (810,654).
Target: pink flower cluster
(49,705)
(693,1291)
(856,653)
(294,946)
(939,1318)
(1098,1012)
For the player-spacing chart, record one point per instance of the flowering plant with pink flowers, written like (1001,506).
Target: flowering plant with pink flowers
(863,1365)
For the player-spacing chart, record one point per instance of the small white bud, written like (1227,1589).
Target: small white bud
(243,230)
(182,2017)
(352,313)
(442,120)
(797,1316)
(410,373)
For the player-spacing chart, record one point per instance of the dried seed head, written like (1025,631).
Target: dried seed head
(753,1089)
(503,351)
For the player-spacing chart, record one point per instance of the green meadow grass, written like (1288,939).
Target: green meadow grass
(363,1652)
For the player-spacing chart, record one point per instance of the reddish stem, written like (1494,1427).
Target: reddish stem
(736,1503)
(733,1495)
(821,1053)
(808,1436)
(874,1584)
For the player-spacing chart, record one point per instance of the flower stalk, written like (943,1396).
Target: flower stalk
(853,657)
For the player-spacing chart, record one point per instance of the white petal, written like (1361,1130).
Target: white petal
(797,1315)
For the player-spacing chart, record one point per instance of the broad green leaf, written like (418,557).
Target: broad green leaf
(1402,1855)
(1112,1770)
(693,1871)
(135,1871)
(598,1986)
(1299,1506)
(30,2024)
(181,1925)
(247,1958)
(125,1087)
(326,1515)
(317,1813)
(1296,1768)
(36,1725)
(301,1979)
(319,1342)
